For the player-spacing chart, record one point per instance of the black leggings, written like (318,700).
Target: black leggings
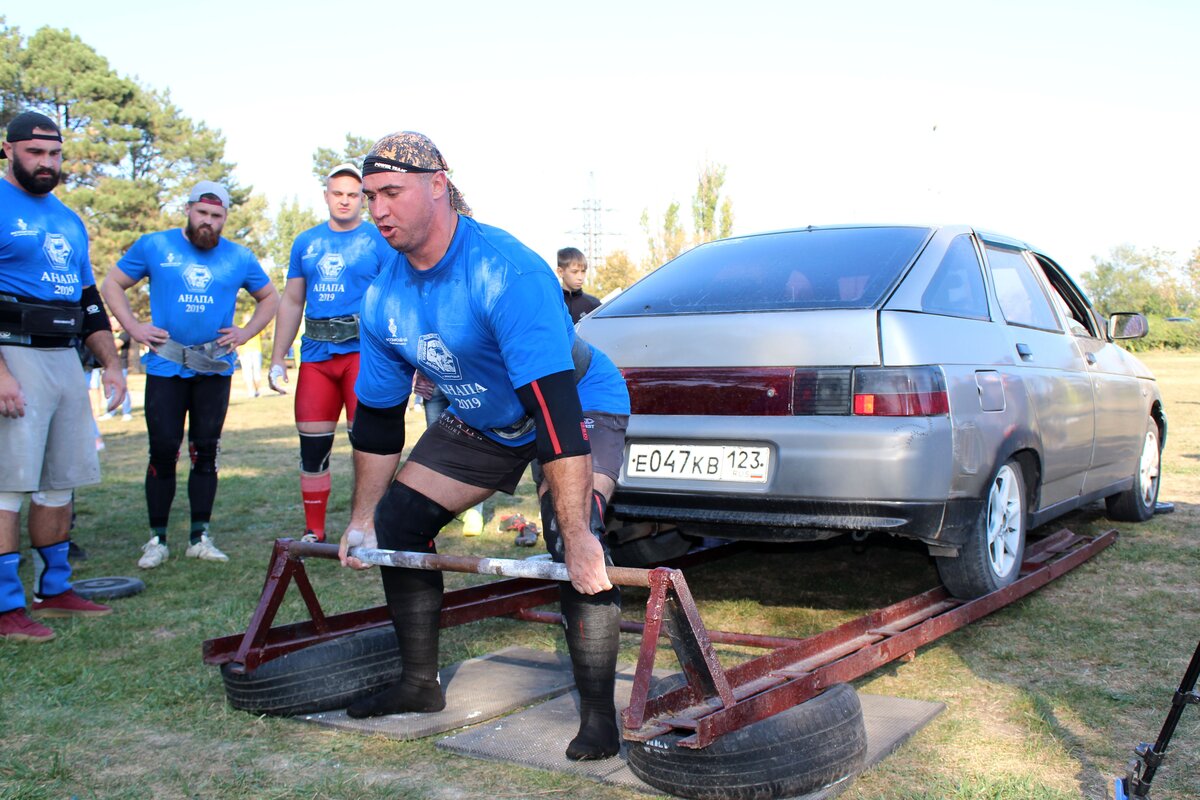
(203,400)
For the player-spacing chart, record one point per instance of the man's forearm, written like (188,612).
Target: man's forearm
(570,481)
(101,343)
(372,476)
(287,325)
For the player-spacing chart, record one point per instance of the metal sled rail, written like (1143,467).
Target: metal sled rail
(715,701)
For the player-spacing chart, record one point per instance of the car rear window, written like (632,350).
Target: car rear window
(808,269)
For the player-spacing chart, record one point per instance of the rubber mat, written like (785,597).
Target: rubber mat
(477,689)
(537,737)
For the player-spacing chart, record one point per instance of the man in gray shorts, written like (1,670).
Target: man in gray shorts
(483,317)
(48,300)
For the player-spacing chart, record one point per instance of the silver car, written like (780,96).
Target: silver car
(938,383)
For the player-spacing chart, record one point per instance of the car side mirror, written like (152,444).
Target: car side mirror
(1127,325)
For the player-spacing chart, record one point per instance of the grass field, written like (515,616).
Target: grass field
(1045,699)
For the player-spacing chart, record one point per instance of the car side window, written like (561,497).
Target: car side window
(956,288)
(1070,302)
(1021,298)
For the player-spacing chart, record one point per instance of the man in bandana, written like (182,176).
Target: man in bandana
(48,301)
(195,276)
(482,316)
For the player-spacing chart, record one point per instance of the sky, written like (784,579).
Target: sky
(1071,125)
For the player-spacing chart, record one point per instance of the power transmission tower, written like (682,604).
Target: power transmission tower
(593,225)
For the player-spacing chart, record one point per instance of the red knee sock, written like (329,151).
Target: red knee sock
(315,491)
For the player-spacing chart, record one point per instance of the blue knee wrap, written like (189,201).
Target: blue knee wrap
(11,594)
(56,571)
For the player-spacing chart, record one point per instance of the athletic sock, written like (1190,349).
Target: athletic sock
(314,490)
(198,529)
(161,533)
(414,600)
(54,577)
(12,594)
(592,625)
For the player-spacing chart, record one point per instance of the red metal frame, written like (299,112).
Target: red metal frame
(715,701)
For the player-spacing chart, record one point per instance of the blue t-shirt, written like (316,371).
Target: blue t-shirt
(487,318)
(43,247)
(337,267)
(193,292)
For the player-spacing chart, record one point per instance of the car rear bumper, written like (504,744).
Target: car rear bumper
(769,519)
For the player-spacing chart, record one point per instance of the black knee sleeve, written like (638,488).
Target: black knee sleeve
(405,519)
(550,525)
(204,454)
(163,456)
(314,452)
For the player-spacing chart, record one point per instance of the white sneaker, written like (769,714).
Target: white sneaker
(205,550)
(154,553)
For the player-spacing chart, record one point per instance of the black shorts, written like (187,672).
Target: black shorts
(453,448)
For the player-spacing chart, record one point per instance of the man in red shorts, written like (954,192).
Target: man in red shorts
(331,266)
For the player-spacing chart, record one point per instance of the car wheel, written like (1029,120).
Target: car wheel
(815,744)
(991,557)
(320,677)
(1136,504)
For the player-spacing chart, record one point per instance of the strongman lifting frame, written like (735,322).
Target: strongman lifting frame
(715,701)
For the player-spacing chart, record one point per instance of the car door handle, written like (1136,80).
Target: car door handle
(1024,351)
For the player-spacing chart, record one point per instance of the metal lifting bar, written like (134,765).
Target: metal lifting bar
(715,701)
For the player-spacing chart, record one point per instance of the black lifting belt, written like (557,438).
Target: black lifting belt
(334,330)
(27,322)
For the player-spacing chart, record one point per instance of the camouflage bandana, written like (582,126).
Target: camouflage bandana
(407,151)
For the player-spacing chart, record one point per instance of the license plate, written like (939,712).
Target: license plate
(700,462)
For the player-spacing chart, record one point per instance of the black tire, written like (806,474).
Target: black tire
(800,750)
(108,588)
(322,677)
(991,557)
(1138,502)
(650,550)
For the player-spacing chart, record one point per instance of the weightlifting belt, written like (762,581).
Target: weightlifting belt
(335,329)
(581,354)
(203,358)
(25,322)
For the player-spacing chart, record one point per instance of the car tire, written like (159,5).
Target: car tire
(1138,502)
(321,677)
(991,557)
(807,747)
(650,550)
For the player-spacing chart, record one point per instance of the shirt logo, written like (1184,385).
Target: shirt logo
(57,250)
(330,266)
(197,277)
(311,251)
(436,359)
(22,229)
(21,224)
(172,260)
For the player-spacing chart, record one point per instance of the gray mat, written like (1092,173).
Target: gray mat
(537,737)
(477,689)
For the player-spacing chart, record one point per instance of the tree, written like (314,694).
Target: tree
(326,158)
(712,218)
(291,221)
(1148,281)
(618,271)
(131,154)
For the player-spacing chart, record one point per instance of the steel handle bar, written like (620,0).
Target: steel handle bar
(506,567)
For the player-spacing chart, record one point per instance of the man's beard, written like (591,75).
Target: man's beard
(203,237)
(41,181)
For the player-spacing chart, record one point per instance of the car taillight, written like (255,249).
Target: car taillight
(900,392)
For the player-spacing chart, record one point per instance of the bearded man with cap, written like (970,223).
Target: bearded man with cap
(195,276)
(48,301)
(331,266)
(482,316)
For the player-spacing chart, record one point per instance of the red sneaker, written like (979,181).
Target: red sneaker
(16,626)
(68,604)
